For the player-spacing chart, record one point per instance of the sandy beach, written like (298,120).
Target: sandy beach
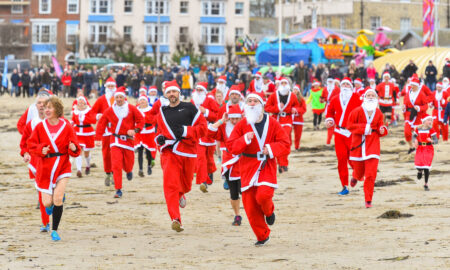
(315,228)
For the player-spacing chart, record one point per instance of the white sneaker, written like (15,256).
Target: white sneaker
(183,201)
(176,226)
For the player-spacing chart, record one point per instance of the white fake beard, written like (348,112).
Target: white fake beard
(346,93)
(370,104)
(109,93)
(164,101)
(330,87)
(445,84)
(259,85)
(253,113)
(198,98)
(222,88)
(152,99)
(121,111)
(284,90)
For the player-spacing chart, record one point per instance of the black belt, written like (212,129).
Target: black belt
(284,114)
(122,137)
(147,125)
(84,126)
(424,143)
(54,155)
(259,156)
(363,141)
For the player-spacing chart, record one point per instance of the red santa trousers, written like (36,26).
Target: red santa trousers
(44,216)
(123,159)
(178,173)
(205,163)
(257,204)
(366,169)
(408,132)
(283,160)
(342,146)
(298,129)
(106,153)
(441,129)
(330,133)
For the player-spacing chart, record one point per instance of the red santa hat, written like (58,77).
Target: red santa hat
(297,87)
(445,79)
(278,79)
(283,79)
(143,96)
(222,78)
(315,82)
(45,91)
(337,80)
(346,80)
(371,79)
(202,85)
(370,90)
(234,89)
(143,89)
(121,91)
(357,81)
(386,74)
(171,85)
(234,111)
(330,80)
(415,81)
(152,89)
(425,117)
(439,84)
(259,96)
(110,81)
(82,98)
(258,74)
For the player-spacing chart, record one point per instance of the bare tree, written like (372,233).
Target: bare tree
(13,40)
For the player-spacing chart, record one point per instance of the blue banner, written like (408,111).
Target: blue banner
(185,62)
(5,74)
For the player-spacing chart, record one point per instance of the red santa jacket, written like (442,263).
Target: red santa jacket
(120,126)
(282,114)
(366,134)
(420,100)
(424,135)
(100,106)
(386,93)
(269,88)
(83,121)
(252,87)
(338,113)
(29,114)
(252,171)
(24,145)
(211,114)
(439,103)
(297,119)
(328,95)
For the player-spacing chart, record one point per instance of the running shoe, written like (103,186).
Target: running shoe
(425,187)
(225,185)
(353,182)
(49,210)
(344,191)
(118,194)
(419,175)
(87,171)
(129,176)
(176,226)
(237,221)
(79,174)
(280,170)
(55,236)
(153,163)
(38,205)
(45,228)
(64,197)
(368,204)
(204,187)
(211,176)
(271,219)
(108,179)
(183,201)
(262,243)
(141,173)
(149,170)
(411,150)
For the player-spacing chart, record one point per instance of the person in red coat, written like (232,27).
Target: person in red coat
(366,124)
(259,139)
(206,165)
(52,142)
(66,81)
(180,126)
(297,118)
(100,106)
(221,85)
(439,104)
(283,104)
(328,93)
(125,121)
(387,97)
(145,139)
(359,86)
(338,112)
(221,131)
(32,111)
(257,84)
(415,105)
(424,137)
(83,119)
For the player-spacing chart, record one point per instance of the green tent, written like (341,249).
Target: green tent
(95,61)
(284,70)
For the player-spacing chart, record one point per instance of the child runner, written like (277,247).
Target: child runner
(297,119)
(318,104)
(145,139)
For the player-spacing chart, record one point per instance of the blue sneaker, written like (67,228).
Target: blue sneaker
(45,228)
(118,194)
(64,198)
(344,191)
(225,185)
(55,236)
(49,210)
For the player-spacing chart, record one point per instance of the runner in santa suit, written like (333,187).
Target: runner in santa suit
(142,91)
(221,86)
(297,118)
(387,97)
(359,87)
(337,83)
(446,85)
(152,95)
(83,119)
(32,111)
(415,105)
(125,121)
(283,104)
(338,112)
(52,142)
(438,105)
(257,84)
(329,92)
(424,137)
(32,159)
(259,139)
(366,124)
(372,85)
(221,131)
(80,93)
(396,105)
(144,141)
(234,98)
(100,106)
(317,103)
(206,165)
(180,126)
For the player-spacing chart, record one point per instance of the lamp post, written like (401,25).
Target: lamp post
(280,19)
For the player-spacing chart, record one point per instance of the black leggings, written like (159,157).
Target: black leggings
(317,119)
(148,155)
(426,174)
(234,185)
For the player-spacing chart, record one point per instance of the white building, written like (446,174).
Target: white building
(214,23)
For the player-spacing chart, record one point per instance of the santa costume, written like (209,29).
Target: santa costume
(387,96)
(144,141)
(179,129)
(259,139)
(121,120)
(221,85)
(329,92)
(366,124)
(297,118)
(31,112)
(439,104)
(152,95)
(257,84)
(359,86)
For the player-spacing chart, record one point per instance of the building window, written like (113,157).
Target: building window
(72,6)
(154,35)
(44,33)
(215,59)
(127,29)
(45,6)
(213,8)
(184,34)
(184,7)
(157,7)
(71,33)
(405,24)
(41,58)
(212,34)
(128,6)
(375,22)
(17,9)
(342,23)
(101,7)
(238,33)
(328,22)
(99,33)
(239,8)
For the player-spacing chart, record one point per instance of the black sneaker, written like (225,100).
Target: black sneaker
(271,220)
(87,171)
(149,170)
(141,173)
(411,150)
(280,170)
(419,175)
(237,221)
(129,176)
(211,176)
(262,243)
(426,188)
